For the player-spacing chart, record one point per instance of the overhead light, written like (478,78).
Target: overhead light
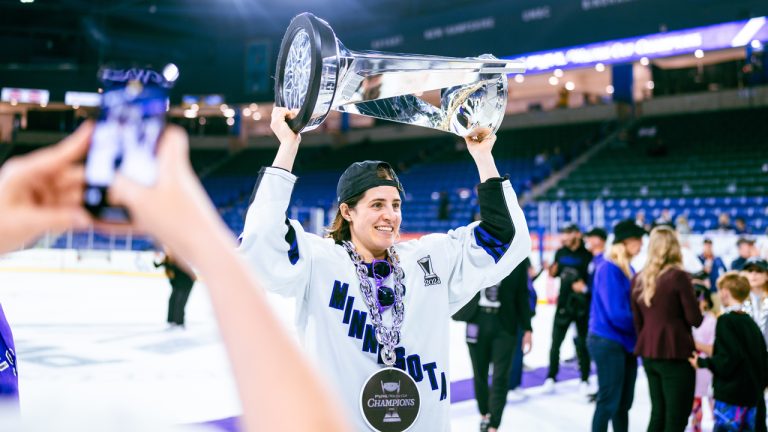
(519,78)
(43,104)
(171,72)
(553,80)
(202,121)
(224,107)
(253,107)
(247,112)
(570,86)
(699,53)
(27,1)
(600,67)
(230,121)
(194,107)
(229,113)
(257,116)
(558,73)
(750,29)
(650,85)
(190,113)
(609,89)
(14,102)
(644,61)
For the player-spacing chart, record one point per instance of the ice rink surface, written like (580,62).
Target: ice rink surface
(93,349)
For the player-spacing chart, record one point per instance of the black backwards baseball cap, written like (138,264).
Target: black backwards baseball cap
(361,176)
(757,263)
(597,232)
(627,229)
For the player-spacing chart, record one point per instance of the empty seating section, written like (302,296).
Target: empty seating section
(698,165)
(426,167)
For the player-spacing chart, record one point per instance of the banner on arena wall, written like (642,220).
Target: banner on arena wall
(88,99)
(23,95)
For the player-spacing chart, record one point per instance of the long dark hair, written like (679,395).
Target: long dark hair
(339,230)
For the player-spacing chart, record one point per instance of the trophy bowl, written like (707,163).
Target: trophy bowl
(474,106)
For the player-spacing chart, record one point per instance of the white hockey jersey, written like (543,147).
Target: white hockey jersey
(442,273)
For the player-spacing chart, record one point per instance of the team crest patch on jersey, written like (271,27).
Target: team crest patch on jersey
(430,278)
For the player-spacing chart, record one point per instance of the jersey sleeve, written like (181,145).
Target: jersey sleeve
(277,248)
(485,252)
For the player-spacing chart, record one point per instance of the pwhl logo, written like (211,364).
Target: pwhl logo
(430,278)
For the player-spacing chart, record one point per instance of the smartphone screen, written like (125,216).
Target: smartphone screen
(124,140)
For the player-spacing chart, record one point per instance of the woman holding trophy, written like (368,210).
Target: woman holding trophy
(374,314)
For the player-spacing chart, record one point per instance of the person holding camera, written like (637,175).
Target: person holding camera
(43,191)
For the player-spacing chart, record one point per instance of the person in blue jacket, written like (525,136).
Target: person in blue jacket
(611,338)
(594,241)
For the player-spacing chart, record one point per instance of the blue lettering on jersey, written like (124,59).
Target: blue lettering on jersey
(359,329)
(338,295)
(414,367)
(348,309)
(444,391)
(357,326)
(370,344)
(429,368)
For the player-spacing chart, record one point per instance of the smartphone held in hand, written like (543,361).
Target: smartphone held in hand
(132,117)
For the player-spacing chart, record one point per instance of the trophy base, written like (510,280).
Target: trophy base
(394,418)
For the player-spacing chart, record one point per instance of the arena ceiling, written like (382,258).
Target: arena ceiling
(59,44)
(55,32)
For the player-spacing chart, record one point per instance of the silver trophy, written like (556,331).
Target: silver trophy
(317,73)
(391,388)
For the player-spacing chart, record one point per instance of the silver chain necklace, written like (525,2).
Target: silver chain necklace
(387,337)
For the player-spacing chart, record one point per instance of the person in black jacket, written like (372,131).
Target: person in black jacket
(571,265)
(182,279)
(494,317)
(738,361)
(524,336)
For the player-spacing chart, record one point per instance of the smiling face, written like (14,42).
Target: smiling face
(374,221)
